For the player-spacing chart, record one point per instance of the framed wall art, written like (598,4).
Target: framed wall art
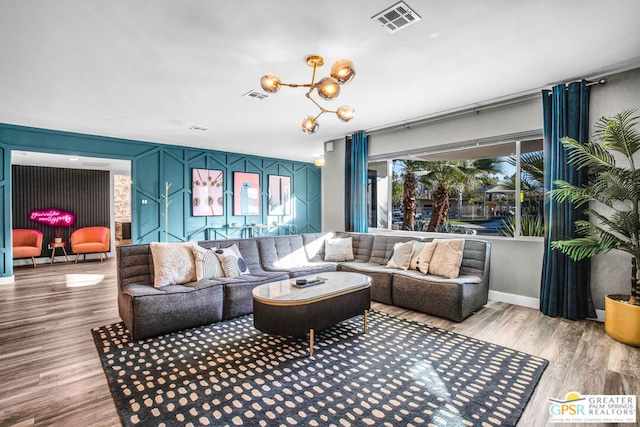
(279,195)
(207,192)
(246,193)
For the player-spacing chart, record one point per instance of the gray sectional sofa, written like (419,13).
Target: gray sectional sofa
(148,311)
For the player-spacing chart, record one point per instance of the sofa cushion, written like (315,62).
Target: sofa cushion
(232,262)
(282,252)
(447,258)
(430,278)
(173,263)
(475,256)
(421,257)
(381,278)
(207,263)
(338,249)
(401,255)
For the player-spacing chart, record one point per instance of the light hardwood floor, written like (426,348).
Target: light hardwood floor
(50,373)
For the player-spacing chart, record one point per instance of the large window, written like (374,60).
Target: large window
(488,190)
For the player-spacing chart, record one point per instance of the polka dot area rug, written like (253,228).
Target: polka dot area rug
(398,373)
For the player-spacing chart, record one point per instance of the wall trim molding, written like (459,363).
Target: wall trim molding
(528,302)
(8,280)
(514,299)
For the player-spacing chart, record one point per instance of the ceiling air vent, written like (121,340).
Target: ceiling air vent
(256,96)
(397,17)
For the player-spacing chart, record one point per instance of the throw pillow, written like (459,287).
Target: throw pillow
(207,263)
(401,255)
(447,258)
(173,263)
(338,249)
(232,262)
(421,257)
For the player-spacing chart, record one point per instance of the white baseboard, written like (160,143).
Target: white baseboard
(527,302)
(7,280)
(514,299)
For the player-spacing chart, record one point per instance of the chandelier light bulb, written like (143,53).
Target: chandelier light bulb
(309,124)
(343,71)
(328,88)
(345,113)
(270,83)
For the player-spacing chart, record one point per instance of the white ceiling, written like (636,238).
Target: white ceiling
(150,70)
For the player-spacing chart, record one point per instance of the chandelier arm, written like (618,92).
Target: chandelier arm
(322,109)
(312,85)
(296,85)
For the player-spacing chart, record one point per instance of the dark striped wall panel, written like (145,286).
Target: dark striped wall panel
(85,193)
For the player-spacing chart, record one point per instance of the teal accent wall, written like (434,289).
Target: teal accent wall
(153,165)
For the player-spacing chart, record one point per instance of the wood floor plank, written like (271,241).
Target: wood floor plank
(51,375)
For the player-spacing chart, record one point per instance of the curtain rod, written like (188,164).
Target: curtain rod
(598,82)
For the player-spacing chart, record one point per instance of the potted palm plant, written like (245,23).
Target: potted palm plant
(614,184)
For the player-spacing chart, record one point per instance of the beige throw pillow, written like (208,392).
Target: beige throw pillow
(207,263)
(447,258)
(422,254)
(173,263)
(401,255)
(338,249)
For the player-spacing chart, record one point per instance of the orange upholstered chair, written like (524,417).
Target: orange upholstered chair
(27,243)
(89,240)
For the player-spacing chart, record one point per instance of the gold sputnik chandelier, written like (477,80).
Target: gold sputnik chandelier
(342,72)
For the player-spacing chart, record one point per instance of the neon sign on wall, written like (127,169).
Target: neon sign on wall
(53,217)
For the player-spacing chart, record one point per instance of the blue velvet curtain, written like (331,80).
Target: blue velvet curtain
(357,158)
(565,289)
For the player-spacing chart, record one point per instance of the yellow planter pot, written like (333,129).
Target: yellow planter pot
(622,321)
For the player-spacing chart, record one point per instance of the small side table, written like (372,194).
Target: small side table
(53,246)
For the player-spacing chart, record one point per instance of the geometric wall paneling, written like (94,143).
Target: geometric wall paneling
(145,209)
(306,187)
(314,222)
(147,166)
(176,205)
(173,169)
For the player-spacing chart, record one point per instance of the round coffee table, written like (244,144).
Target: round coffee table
(281,308)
